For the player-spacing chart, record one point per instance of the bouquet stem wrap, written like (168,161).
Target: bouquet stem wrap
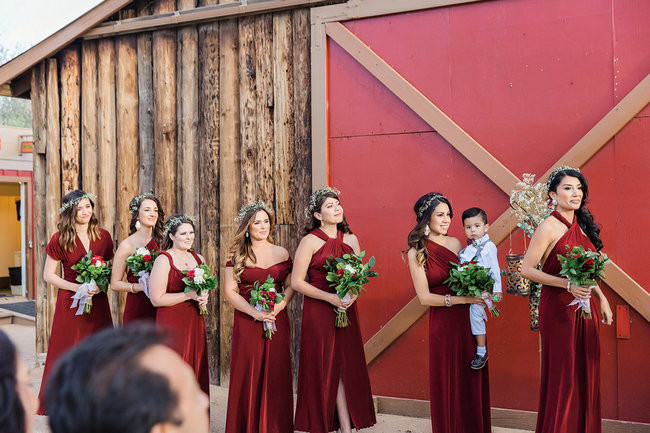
(341,313)
(82,300)
(269,328)
(143,280)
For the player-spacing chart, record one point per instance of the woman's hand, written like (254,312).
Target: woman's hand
(203,299)
(192,295)
(606,312)
(279,307)
(473,300)
(580,292)
(264,316)
(334,299)
(353,298)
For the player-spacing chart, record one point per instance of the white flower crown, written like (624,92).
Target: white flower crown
(428,202)
(90,196)
(171,222)
(137,200)
(313,199)
(259,204)
(556,172)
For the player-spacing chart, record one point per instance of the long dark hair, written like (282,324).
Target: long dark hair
(423,209)
(172,224)
(12,412)
(242,246)
(314,223)
(584,217)
(136,202)
(67,219)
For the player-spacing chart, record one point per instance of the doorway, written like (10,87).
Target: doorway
(12,239)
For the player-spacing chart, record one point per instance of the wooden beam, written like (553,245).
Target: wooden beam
(145,107)
(423,107)
(70,118)
(89,149)
(229,168)
(60,39)
(265,175)
(628,289)
(20,86)
(196,16)
(247,109)
(319,136)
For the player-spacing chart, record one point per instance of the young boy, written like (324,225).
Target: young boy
(482,250)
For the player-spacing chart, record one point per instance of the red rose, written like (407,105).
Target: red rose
(190,274)
(576,255)
(588,264)
(271,305)
(340,272)
(263,301)
(96,259)
(146,258)
(472,262)
(263,293)
(272,295)
(354,275)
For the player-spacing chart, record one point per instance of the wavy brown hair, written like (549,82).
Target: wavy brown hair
(179,219)
(314,223)
(67,219)
(416,237)
(242,246)
(159,228)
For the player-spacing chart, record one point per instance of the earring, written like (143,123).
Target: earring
(137,225)
(553,203)
(427,230)
(247,235)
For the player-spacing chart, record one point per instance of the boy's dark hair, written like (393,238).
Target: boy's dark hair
(100,385)
(475,211)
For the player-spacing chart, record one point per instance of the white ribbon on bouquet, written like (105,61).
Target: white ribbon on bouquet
(346,299)
(144,280)
(582,304)
(81,296)
(267,325)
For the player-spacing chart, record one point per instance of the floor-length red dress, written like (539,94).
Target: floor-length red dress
(460,396)
(328,353)
(569,397)
(260,396)
(186,327)
(69,329)
(138,305)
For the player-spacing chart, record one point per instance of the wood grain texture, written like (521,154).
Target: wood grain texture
(70,117)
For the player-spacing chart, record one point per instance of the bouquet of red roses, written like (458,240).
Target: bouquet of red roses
(263,298)
(472,279)
(347,275)
(141,263)
(94,272)
(582,268)
(199,280)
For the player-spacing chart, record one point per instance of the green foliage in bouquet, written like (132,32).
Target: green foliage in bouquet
(582,267)
(199,279)
(93,268)
(141,261)
(265,295)
(471,279)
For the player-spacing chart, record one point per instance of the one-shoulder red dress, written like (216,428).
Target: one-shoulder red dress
(569,397)
(186,327)
(260,396)
(138,305)
(68,329)
(328,353)
(460,396)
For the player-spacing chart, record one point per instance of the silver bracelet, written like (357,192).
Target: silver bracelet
(447,300)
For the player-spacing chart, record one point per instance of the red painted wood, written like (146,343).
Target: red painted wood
(527,79)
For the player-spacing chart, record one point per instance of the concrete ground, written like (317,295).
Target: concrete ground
(24,337)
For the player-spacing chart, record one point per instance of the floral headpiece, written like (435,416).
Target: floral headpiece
(428,202)
(556,172)
(137,200)
(259,204)
(309,210)
(75,201)
(171,222)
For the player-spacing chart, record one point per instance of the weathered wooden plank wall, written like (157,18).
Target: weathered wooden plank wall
(207,116)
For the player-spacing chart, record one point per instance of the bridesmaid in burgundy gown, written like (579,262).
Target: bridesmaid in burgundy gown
(460,396)
(78,233)
(260,396)
(569,400)
(146,230)
(333,385)
(178,312)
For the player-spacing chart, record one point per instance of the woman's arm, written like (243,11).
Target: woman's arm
(299,273)
(231,293)
(51,277)
(119,267)
(542,239)
(288,296)
(419,277)
(158,286)
(605,309)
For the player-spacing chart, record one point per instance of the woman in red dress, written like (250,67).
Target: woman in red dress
(178,312)
(333,385)
(460,396)
(146,230)
(260,396)
(569,400)
(78,234)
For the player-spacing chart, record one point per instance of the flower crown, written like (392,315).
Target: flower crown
(137,200)
(259,204)
(173,221)
(555,172)
(313,199)
(428,202)
(75,201)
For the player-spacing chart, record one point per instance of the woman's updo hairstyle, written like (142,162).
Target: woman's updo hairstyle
(423,209)
(316,203)
(584,217)
(171,227)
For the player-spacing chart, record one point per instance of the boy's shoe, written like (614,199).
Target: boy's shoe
(479,361)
